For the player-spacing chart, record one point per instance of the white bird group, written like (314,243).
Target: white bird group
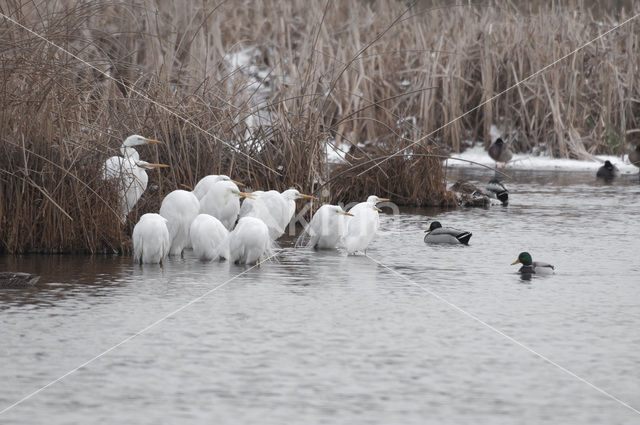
(331,227)
(205,219)
(128,171)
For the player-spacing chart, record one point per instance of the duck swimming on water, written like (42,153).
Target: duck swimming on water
(608,171)
(532,267)
(436,234)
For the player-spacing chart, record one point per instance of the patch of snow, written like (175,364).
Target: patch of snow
(336,155)
(494,132)
(521,161)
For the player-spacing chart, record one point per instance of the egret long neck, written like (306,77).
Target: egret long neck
(129,153)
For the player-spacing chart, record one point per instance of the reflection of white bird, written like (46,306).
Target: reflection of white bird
(223,202)
(150,238)
(249,241)
(362,227)
(207,182)
(326,228)
(180,208)
(275,209)
(128,171)
(208,236)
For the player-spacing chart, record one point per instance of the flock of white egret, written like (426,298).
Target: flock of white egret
(211,220)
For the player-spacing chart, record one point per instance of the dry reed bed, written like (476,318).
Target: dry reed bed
(351,72)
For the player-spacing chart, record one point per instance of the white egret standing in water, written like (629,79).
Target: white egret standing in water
(129,172)
(223,202)
(249,241)
(206,183)
(362,227)
(275,209)
(326,229)
(180,208)
(151,242)
(208,237)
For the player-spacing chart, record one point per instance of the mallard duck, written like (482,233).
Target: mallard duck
(469,196)
(446,235)
(532,267)
(608,171)
(495,189)
(500,152)
(634,156)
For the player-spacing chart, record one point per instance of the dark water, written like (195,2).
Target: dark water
(319,337)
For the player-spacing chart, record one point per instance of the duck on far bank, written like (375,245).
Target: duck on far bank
(436,234)
(532,267)
(608,171)
(500,152)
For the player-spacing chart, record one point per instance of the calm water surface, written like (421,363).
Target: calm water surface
(319,337)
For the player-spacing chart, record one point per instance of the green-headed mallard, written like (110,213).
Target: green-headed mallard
(500,152)
(532,267)
(445,235)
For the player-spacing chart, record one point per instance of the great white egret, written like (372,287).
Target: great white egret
(206,183)
(362,227)
(180,208)
(151,242)
(208,237)
(249,241)
(436,234)
(275,209)
(223,202)
(326,229)
(129,172)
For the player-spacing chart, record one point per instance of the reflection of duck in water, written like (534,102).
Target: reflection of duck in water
(608,171)
(445,235)
(500,152)
(532,267)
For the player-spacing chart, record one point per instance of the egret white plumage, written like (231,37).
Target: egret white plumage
(275,209)
(223,202)
(326,229)
(151,242)
(206,183)
(362,227)
(249,241)
(208,237)
(180,208)
(129,172)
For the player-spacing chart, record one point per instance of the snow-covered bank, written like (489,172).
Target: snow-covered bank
(531,162)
